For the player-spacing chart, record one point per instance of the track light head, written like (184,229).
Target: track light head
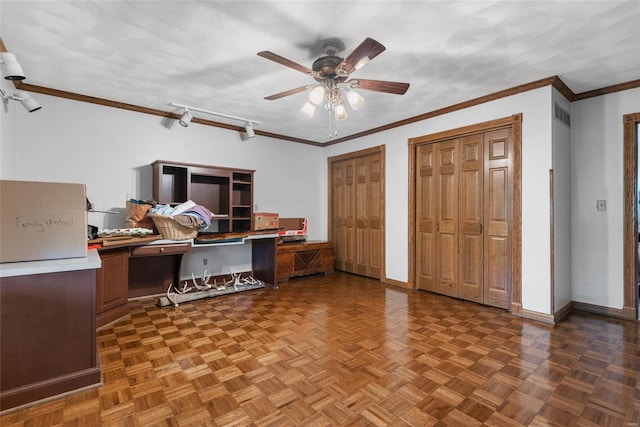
(25,99)
(185,119)
(11,67)
(249,128)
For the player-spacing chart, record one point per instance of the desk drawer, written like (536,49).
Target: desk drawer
(156,250)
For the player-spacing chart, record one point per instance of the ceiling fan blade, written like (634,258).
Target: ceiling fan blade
(284,61)
(395,88)
(286,93)
(369,48)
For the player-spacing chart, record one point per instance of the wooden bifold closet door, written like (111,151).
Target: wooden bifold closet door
(463,223)
(357,207)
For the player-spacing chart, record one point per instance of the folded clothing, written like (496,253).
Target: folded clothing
(188,214)
(188,221)
(200,212)
(183,207)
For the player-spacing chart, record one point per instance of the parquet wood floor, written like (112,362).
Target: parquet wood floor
(339,350)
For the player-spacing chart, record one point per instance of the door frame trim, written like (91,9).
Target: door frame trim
(515,122)
(380,149)
(630,167)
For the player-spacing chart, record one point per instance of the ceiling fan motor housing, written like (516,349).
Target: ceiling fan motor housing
(325,68)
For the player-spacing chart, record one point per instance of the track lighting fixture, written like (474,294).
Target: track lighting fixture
(249,129)
(11,67)
(25,99)
(186,118)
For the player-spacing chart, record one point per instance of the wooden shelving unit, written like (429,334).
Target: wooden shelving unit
(224,191)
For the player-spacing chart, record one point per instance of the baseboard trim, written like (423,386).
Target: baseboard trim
(535,315)
(562,314)
(599,309)
(398,283)
(516,308)
(63,384)
(629,313)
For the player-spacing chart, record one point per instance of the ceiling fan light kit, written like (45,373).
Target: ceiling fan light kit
(186,118)
(331,72)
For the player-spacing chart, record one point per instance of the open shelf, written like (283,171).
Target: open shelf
(224,191)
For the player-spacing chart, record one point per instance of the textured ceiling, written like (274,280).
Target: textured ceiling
(151,53)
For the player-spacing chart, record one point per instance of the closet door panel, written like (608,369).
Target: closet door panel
(343,216)
(497,288)
(363,238)
(425,218)
(350,222)
(471,217)
(375,196)
(339,214)
(447,219)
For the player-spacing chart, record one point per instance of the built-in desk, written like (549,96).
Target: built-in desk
(135,268)
(138,268)
(47,328)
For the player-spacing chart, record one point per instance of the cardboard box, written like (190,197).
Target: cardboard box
(42,220)
(293,227)
(265,221)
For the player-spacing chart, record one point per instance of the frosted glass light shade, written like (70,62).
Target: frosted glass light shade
(316,96)
(341,112)
(355,100)
(308,109)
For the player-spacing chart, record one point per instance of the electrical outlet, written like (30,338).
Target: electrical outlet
(601,205)
(204,261)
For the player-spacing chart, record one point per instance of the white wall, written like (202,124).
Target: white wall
(561,205)
(110,150)
(536,154)
(596,174)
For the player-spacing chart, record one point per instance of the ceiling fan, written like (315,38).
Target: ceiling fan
(331,72)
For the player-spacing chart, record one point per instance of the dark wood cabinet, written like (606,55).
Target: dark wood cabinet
(131,271)
(301,259)
(47,333)
(224,191)
(112,284)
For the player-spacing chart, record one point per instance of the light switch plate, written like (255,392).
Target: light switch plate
(601,205)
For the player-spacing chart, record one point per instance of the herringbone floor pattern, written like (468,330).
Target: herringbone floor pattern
(342,350)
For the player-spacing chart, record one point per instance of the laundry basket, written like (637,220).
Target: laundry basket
(170,229)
